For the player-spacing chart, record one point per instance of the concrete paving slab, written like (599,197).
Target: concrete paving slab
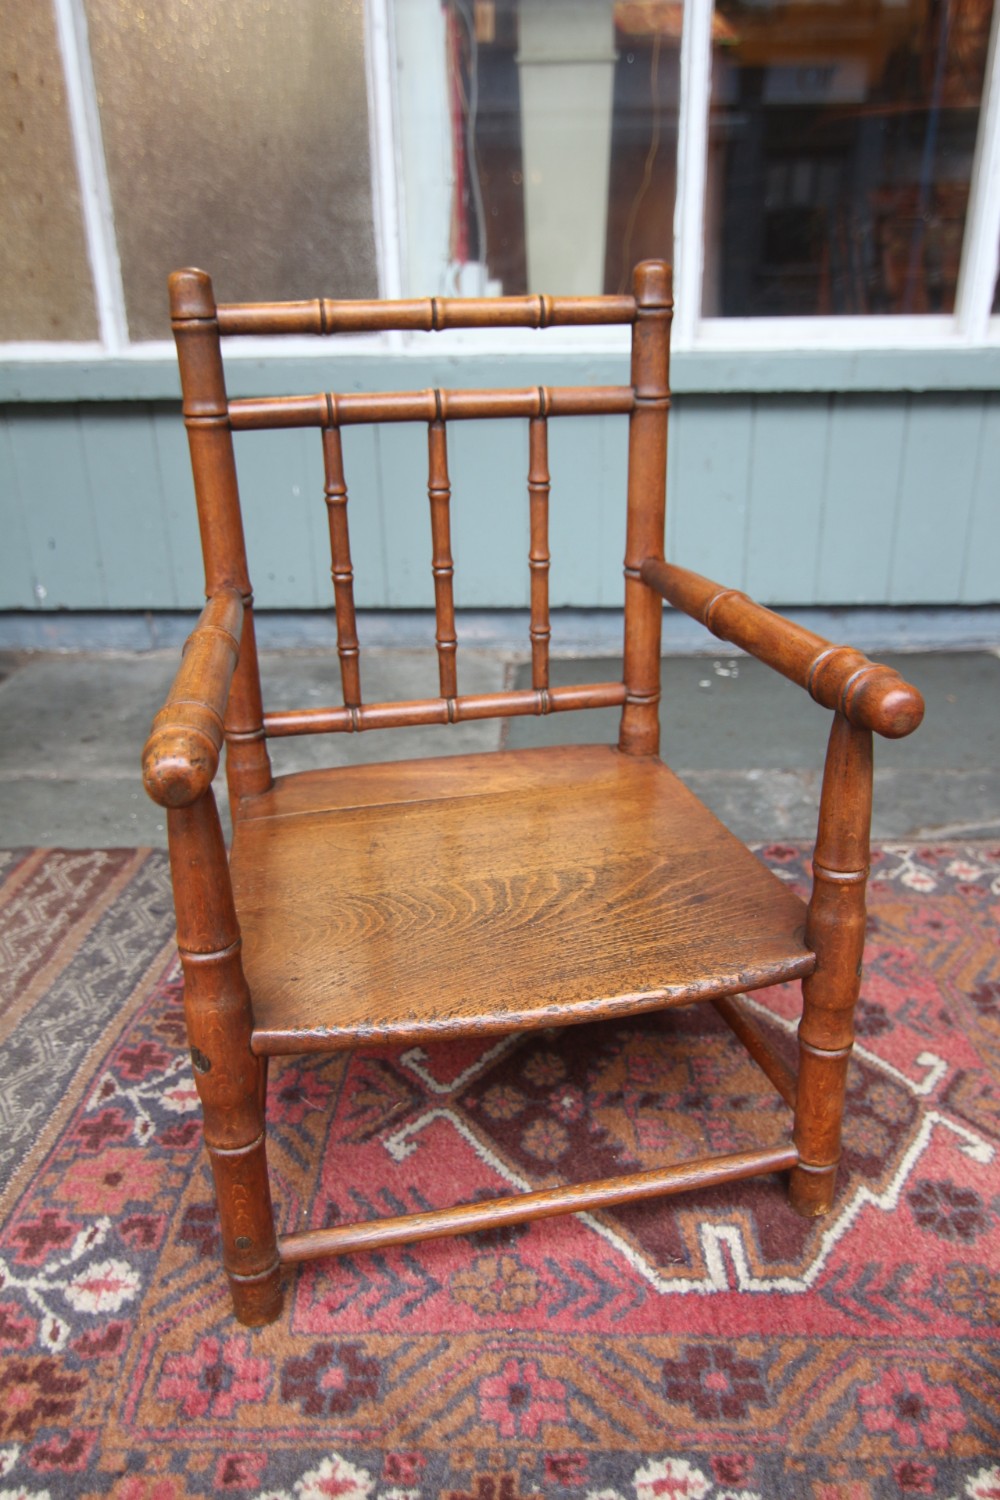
(67,812)
(81,715)
(312,680)
(750,743)
(72,731)
(729,713)
(718,712)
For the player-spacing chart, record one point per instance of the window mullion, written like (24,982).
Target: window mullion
(385,160)
(91,166)
(692,166)
(981,242)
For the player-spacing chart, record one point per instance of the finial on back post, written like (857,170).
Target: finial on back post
(191,295)
(653,284)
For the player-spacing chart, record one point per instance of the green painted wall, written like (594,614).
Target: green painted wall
(805,497)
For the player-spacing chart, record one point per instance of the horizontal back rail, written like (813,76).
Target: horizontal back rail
(356,717)
(213,420)
(332,410)
(324,315)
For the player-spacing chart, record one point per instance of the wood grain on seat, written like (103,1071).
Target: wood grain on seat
(475,893)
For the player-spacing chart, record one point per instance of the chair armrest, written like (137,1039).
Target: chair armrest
(182,753)
(871,696)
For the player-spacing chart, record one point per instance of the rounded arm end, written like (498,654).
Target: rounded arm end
(178,765)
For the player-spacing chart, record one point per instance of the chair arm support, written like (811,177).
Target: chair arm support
(182,753)
(868,694)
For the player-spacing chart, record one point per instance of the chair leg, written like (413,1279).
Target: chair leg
(246,1217)
(231,1081)
(819,1112)
(835,930)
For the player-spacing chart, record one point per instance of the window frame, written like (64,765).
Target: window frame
(954,351)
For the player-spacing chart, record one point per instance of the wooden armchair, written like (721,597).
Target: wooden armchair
(371,904)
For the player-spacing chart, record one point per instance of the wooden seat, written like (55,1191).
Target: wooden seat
(470,895)
(603,882)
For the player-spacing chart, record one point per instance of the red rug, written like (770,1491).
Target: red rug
(712,1346)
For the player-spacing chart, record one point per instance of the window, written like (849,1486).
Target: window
(803,162)
(825,174)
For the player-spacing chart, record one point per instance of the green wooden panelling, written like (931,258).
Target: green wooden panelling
(785,502)
(119,452)
(981,564)
(402,475)
(281,479)
(180,521)
(934,505)
(489,523)
(576,463)
(151,374)
(57,508)
(713,443)
(849,500)
(864,459)
(612,478)
(15,567)
(366,519)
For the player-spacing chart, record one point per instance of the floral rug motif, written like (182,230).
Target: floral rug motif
(707,1347)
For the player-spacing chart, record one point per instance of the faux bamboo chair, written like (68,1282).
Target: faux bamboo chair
(477,894)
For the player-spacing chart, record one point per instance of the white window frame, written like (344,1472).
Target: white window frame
(972,325)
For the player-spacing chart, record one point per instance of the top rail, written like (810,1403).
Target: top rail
(323,315)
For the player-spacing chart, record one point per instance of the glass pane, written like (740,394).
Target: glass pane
(45,285)
(841,142)
(538,141)
(236,133)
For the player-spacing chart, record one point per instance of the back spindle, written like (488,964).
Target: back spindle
(439,492)
(341,570)
(538,556)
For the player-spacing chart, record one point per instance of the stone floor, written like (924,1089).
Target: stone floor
(72,726)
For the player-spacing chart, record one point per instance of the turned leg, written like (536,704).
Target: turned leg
(835,930)
(231,1081)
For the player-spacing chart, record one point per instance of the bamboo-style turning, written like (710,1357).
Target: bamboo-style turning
(323,315)
(341,570)
(469,896)
(869,694)
(538,556)
(439,494)
(327,408)
(835,930)
(445,710)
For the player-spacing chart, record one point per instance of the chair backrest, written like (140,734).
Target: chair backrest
(212,418)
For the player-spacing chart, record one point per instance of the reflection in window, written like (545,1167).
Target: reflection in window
(561,140)
(45,285)
(236,135)
(841,143)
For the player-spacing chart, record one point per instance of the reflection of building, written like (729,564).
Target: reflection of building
(842,139)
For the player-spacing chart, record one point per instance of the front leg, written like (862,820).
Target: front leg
(835,930)
(230,1079)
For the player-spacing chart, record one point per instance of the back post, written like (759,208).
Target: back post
(647,483)
(206,417)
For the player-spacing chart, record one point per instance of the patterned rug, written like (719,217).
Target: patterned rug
(711,1346)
